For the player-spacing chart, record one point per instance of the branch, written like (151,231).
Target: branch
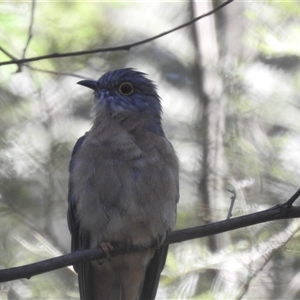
(118,48)
(30,29)
(7,53)
(282,211)
(268,254)
(233,198)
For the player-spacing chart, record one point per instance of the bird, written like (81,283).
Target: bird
(123,188)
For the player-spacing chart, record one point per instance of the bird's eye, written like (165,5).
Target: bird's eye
(126,88)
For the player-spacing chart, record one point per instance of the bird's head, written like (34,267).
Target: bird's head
(126,91)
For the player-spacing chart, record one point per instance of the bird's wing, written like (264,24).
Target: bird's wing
(157,263)
(80,240)
(73,221)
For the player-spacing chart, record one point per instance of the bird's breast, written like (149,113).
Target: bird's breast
(126,190)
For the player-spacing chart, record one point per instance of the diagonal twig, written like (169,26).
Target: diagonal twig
(7,53)
(118,48)
(291,201)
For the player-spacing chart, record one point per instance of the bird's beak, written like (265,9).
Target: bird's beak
(92,84)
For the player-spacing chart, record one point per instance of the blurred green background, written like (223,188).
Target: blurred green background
(230,87)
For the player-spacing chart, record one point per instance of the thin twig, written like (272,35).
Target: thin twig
(268,255)
(231,204)
(293,199)
(7,53)
(30,29)
(118,48)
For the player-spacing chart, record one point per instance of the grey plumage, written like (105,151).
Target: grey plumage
(123,188)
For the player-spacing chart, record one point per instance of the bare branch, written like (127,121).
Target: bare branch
(283,211)
(30,28)
(118,48)
(231,204)
(291,201)
(268,255)
(7,53)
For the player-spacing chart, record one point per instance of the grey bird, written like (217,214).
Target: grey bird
(123,188)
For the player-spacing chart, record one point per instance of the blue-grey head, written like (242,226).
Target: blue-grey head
(127,90)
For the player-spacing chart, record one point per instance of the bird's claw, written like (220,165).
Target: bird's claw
(107,248)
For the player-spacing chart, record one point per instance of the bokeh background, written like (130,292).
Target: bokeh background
(230,87)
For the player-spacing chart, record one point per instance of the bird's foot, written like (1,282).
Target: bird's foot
(107,248)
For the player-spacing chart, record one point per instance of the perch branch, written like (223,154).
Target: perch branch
(282,211)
